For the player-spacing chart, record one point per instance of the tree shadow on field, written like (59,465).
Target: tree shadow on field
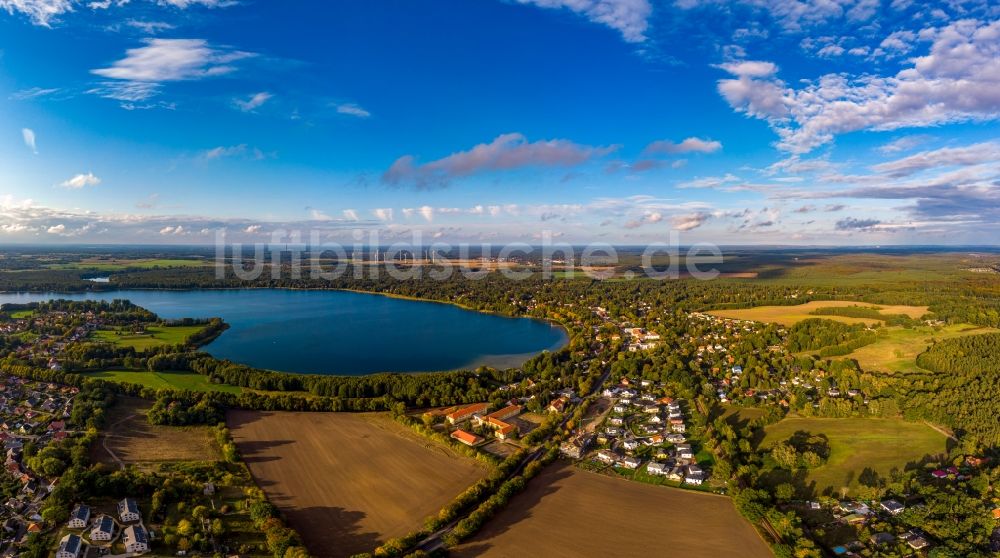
(260,451)
(330,532)
(518,509)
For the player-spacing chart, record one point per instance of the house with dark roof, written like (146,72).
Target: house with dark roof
(69,547)
(104,529)
(128,511)
(79,518)
(135,539)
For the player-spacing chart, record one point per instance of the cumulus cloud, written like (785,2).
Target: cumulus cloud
(351,215)
(957,80)
(628,17)
(383,213)
(165,60)
(650,218)
(689,145)
(253,102)
(690,221)
(80,181)
(28,135)
(56,229)
(351,109)
(506,152)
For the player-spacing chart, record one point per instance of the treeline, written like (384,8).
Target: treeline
(829,337)
(866,312)
(964,390)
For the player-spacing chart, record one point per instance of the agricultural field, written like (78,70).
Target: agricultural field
(898,350)
(790,315)
(859,448)
(568,512)
(155,336)
(129,439)
(348,482)
(164,380)
(116,264)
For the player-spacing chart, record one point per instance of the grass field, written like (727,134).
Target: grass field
(112,264)
(898,351)
(790,315)
(130,439)
(21,314)
(164,380)
(571,513)
(857,444)
(348,482)
(155,336)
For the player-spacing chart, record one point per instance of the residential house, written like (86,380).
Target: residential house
(606,456)
(69,547)
(656,468)
(104,529)
(79,518)
(694,475)
(128,511)
(684,451)
(630,462)
(892,506)
(135,539)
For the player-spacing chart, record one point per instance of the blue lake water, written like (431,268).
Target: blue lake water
(338,332)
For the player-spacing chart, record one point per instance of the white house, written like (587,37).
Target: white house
(684,451)
(104,529)
(606,457)
(128,511)
(135,539)
(69,547)
(694,475)
(893,507)
(79,518)
(631,444)
(631,462)
(655,468)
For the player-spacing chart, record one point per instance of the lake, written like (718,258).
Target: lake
(340,332)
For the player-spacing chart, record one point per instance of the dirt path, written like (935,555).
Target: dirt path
(104,441)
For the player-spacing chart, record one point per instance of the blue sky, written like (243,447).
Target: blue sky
(747,122)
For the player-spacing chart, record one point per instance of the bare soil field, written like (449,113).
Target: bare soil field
(568,512)
(130,439)
(790,315)
(349,482)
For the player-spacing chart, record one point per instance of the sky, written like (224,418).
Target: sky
(778,122)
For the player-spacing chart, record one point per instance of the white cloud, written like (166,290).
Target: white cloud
(81,180)
(165,60)
(149,27)
(690,221)
(253,102)
(173,230)
(252,229)
(506,152)
(710,181)
(904,143)
(957,80)
(750,68)
(969,155)
(351,215)
(41,12)
(649,218)
(33,93)
(689,145)
(383,213)
(241,150)
(29,139)
(352,109)
(56,229)
(628,17)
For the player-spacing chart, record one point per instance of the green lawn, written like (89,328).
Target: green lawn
(898,351)
(22,314)
(857,444)
(160,380)
(155,336)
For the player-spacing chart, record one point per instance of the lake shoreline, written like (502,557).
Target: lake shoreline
(499,358)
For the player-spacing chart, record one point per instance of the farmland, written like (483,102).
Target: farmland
(348,482)
(117,264)
(154,336)
(164,380)
(898,349)
(790,315)
(859,447)
(569,512)
(130,439)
